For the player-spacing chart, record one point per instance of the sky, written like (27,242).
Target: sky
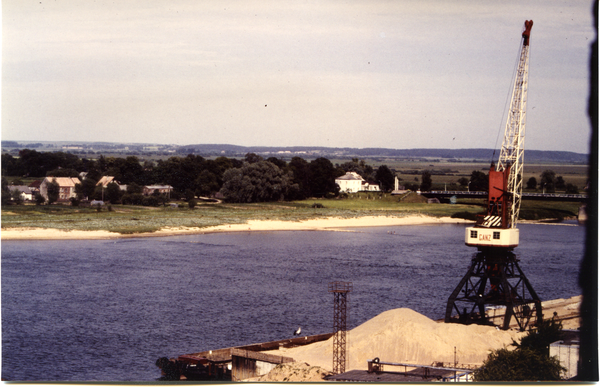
(346,73)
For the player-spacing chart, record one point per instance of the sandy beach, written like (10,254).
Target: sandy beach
(324,224)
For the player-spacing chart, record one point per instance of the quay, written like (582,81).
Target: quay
(235,363)
(250,362)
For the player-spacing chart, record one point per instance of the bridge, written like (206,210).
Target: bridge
(557,197)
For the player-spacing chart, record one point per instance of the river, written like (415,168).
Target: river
(105,310)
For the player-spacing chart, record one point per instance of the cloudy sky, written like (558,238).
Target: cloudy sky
(355,73)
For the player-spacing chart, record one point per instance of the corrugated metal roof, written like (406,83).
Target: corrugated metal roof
(63,181)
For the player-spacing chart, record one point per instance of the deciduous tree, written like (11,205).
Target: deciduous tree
(53,190)
(385,177)
(547,180)
(258,182)
(323,176)
(426,181)
(520,365)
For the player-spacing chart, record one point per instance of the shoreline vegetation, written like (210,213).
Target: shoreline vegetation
(30,222)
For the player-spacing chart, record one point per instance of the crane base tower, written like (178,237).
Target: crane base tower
(493,291)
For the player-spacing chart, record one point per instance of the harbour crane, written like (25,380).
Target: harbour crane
(494,279)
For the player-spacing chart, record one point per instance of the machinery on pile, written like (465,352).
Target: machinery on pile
(494,279)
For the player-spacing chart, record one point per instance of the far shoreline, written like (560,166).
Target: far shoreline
(318,224)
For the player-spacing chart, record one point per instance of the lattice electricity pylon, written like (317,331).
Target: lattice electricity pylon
(494,279)
(340,291)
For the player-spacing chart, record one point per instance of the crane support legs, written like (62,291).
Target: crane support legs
(495,280)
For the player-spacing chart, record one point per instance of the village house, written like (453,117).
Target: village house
(35,186)
(66,187)
(106,180)
(352,182)
(26,192)
(161,189)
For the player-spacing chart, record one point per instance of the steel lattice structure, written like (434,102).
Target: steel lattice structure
(494,279)
(511,154)
(340,291)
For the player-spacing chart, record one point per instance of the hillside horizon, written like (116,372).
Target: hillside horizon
(229,150)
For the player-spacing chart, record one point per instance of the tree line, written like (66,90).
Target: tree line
(252,179)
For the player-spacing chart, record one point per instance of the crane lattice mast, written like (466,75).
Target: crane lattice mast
(511,153)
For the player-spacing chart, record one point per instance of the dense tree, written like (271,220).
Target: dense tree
(385,177)
(63,172)
(520,365)
(560,183)
(113,193)
(258,182)
(180,173)
(425,181)
(39,199)
(539,337)
(531,183)
(252,158)
(279,162)
(5,191)
(530,361)
(360,167)
(463,181)
(53,190)
(86,188)
(302,177)
(33,163)
(547,180)
(126,170)
(323,176)
(479,181)
(207,183)
(134,188)
(571,189)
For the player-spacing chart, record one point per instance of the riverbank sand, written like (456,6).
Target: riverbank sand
(324,224)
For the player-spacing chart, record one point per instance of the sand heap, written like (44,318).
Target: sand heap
(294,372)
(405,336)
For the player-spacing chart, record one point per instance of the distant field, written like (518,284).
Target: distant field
(449,172)
(135,219)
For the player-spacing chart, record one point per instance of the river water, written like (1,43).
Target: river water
(105,310)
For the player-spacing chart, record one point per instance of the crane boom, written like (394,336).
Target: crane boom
(499,226)
(511,153)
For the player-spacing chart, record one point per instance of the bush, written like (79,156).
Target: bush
(192,204)
(530,361)
(519,365)
(317,205)
(150,201)
(39,199)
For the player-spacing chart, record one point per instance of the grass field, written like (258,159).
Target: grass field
(136,219)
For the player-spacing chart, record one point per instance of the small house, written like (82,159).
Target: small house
(106,180)
(352,182)
(161,189)
(66,187)
(26,192)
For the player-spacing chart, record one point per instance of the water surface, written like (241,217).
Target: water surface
(105,310)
